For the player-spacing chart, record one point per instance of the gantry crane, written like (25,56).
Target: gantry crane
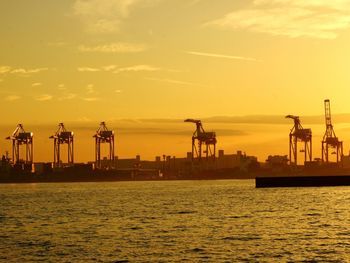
(330,140)
(21,137)
(62,136)
(299,134)
(208,139)
(103,135)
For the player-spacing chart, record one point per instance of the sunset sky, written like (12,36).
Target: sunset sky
(144,65)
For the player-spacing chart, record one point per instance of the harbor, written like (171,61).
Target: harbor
(203,162)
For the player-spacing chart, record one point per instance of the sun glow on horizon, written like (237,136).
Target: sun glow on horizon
(85,61)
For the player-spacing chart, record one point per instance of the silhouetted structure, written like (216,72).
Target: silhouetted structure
(62,136)
(201,137)
(21,137)
(299,134)
(330,140)
(103,135)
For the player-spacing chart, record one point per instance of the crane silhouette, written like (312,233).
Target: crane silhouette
(202,138)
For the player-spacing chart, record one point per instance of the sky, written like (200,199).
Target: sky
(142,64)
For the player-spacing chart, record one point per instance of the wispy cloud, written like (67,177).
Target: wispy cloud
(12,98)
(90,89)
(88,69)
(175,132)
(44,97)
(90,99)
(177,82)
(84,119)
(220,56)
(4,69)
(137,68)
(97,69)
(119,47)
(28,71)
(116,70)
(109,67)
(68,96)
(292,18)
(105,16)
(36,84)
(61,86)
(11,70)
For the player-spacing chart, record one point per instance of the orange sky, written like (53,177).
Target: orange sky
(85,61)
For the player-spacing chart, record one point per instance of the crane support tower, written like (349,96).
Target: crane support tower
(330,140)
(299,134)
(103,135)
(200,138)
(62,136)
(20,137)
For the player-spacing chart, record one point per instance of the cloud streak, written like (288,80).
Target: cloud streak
(12,98)
(213,55)
(28,71)
(97,69)
(90,99)
(44,97)
(88,69)
(90,89)
(321,19)
(4,69)
(68,96)
(11,70)
(118,47)
(114,69)
(137,68)
(177,82)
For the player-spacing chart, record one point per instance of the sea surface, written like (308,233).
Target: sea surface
(172,221)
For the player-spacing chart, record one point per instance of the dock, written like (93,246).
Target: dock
(302,181)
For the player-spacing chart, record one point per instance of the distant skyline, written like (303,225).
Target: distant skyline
(86,61)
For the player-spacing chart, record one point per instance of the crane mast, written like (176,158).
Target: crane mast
(330,140)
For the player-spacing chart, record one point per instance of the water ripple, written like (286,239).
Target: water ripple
(202,221)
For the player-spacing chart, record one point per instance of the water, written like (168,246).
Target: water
(194,221)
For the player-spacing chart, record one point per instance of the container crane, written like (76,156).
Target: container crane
(200,138)
(20,137)
(330,140)
(62,136)
(299,134)
(103,135)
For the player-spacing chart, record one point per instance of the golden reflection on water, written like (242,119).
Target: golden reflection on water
(172,221)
